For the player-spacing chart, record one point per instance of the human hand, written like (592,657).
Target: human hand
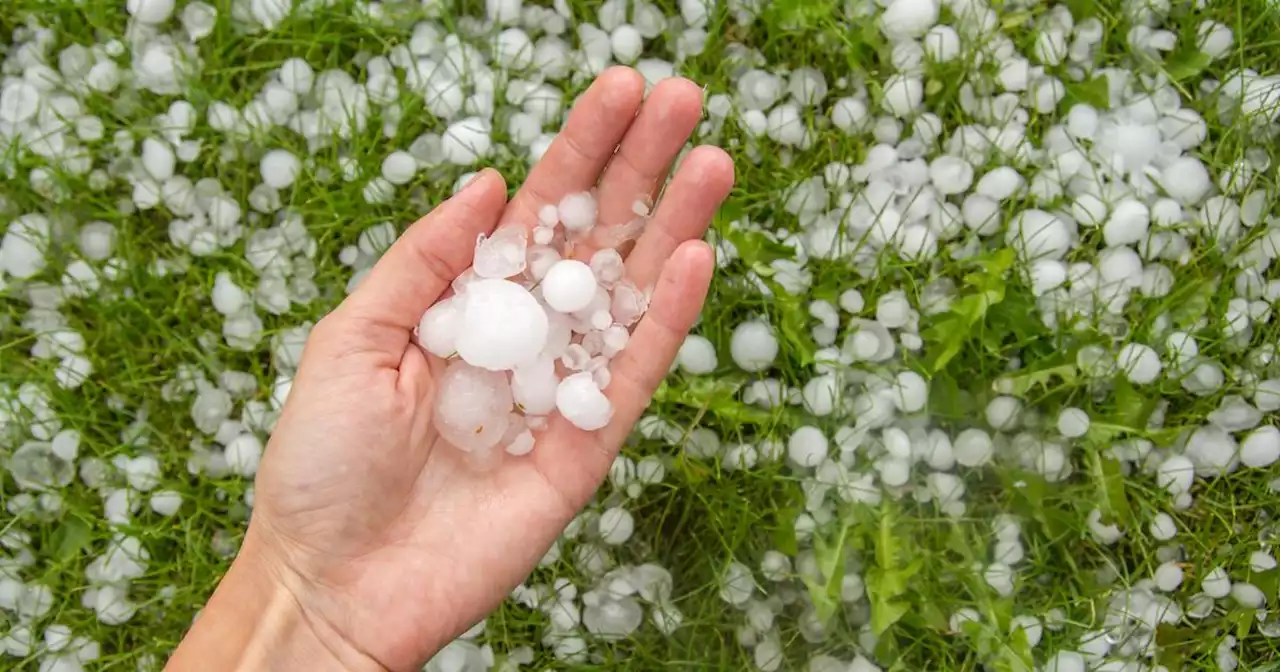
(373,543)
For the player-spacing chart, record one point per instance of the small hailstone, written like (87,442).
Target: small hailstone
(1168,577)
(1140,363)
(502,255)
(503,325)
(807,446)
(577,211)
(999,183)
(908,18)
(697,355)
(166,502)
(851,301)
(243,454)
(1261,561)
(1261,448)
(737,585)
(973,448)
(1186,180)
(902,95)
(753,346)
(1248,595)
(627,43)
(821,394)
(616,526)
(1002,412)
(150,11)
(911,392)
(466,141)
(1216,583)
(569,286)
(399,167)
(1073,423)
(893,310)
(950,175)
(279,168)
(581,402)
(1163,527)
(158,159)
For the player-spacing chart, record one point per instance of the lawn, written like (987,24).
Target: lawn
(987,377)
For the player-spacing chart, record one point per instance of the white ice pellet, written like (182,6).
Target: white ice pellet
(807,446)
(908,18)
(502,325)
(697,355)
(1261,448)
(1073,423)
(950,175)
(616,526)
(466,141)
(577,211)
(569,286)
(973,448)
(165,502)
(1216,583)
(902,94)
(279,168)
(399,167)
(1163,527)
(1139,362)
(581,402)
(243,454)
(1186,180)
(150,11)
(1168,576)
(753,346)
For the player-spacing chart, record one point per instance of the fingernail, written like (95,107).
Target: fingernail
(475,181)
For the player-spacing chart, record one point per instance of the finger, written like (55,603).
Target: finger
(574,461)
(637,171)
(419,266)
(573,163)
(701,183)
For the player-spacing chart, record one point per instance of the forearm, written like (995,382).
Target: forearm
(254,622)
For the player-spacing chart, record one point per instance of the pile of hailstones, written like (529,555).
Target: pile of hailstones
(530,330)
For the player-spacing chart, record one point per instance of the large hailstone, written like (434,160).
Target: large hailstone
(473,407)
(502,325)
(908,18)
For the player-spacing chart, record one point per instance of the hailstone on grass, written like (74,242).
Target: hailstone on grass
(697,355)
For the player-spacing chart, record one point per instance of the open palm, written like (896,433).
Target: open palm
(386,535)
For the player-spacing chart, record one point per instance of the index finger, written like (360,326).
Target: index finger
(573,163)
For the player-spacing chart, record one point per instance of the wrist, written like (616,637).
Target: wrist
(257,619)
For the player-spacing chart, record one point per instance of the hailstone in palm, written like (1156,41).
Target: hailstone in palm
(502,325)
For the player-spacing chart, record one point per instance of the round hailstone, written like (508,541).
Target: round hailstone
(1186,180)
(820,394)
(973,448)
(502,325)
(19,101)
(577,211)
(1073,423)
(902,95)
(581,402)
(627,43)
(569,286)
(1212,451)
(753,345)
(807,446)
(399,167)
(279,168)
(473,406)
(697,355)
(908,19)
(616,526)
(150,11)
(438,329)
(166,502)
(466,141)
(243,454)
(1037,235)
(1163,527)
(158,159)
(1216,583)
(950,175)
(1176,474)
(297,75)
(1261,448)
(1168,577)
(1030,627)
(1140,363)
(911,392)
(1266,395)
(1002,413)
(1128,223)
(999,183)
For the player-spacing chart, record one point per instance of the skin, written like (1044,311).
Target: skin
(374,543)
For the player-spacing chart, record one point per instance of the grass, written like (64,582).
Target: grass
(918,564)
